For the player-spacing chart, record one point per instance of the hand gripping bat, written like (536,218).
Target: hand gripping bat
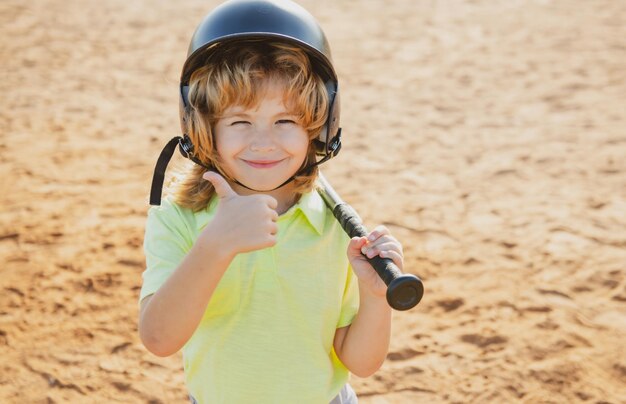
(404,291)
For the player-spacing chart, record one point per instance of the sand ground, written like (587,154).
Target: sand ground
(490,136)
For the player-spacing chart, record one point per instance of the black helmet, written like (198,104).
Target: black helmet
(236,20)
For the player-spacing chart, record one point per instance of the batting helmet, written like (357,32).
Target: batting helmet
(244,20)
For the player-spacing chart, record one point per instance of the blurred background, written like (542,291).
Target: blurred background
(489,136)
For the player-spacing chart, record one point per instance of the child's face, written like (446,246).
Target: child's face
(262,146)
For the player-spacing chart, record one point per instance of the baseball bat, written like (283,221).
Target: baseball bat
(404,291)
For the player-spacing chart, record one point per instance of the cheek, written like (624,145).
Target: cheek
(297,144)
(227,144)
(219,146)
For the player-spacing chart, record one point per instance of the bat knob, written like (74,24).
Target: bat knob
(405,292)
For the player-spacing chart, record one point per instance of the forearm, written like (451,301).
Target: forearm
(173,313)
(366,342)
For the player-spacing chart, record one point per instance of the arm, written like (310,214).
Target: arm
(169,317)
(362,346)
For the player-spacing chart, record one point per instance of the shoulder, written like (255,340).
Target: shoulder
(168,210)
(169,217)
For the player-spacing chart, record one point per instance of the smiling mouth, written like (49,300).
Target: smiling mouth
(262,164)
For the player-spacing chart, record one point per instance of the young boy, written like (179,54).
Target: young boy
(247,271)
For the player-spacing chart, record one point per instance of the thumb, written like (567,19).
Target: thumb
(355,246)
(222,188)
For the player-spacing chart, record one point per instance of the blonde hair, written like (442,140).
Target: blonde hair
(237,75)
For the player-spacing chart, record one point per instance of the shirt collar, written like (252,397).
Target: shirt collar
(312,207)
(310,204)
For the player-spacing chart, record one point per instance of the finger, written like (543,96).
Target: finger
(222,188)
(378,232)
(385,239)
(274,216)
(395,257)
(271,202)
(373,250)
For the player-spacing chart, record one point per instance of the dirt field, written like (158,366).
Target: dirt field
(490,136)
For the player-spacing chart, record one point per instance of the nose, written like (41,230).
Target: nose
(262,141)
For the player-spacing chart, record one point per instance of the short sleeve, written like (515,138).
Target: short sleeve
(167,240)
(350,300)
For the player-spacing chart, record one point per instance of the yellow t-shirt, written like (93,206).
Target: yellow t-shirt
(267,333)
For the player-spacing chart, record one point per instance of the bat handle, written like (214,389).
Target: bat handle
(404,291)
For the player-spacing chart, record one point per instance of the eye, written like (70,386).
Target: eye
(286,121)
(240,123)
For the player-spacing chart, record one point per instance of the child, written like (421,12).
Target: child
(247,270)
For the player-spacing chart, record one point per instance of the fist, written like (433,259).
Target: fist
(242,223)
(378,242)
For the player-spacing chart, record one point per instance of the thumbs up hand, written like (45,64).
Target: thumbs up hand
(242,223)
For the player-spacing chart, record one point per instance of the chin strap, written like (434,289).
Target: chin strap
(186,148)
(159,171)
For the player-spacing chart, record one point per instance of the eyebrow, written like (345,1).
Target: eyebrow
(246,115)
(235,114)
